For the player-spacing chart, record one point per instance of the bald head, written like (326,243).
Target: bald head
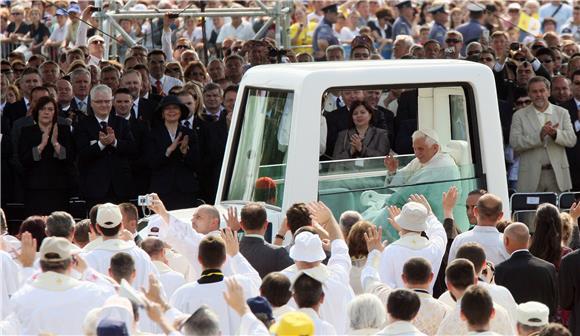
(488,210)
(516,236)
(210,210)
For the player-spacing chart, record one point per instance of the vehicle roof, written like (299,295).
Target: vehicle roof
(375,72)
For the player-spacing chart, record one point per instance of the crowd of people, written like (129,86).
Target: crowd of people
(153,119)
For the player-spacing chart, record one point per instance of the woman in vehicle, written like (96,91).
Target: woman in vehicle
(45,150)
(361,139)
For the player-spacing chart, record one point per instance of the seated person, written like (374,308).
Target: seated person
(429,165)
(361,139)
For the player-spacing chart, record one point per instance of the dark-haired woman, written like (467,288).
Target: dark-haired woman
(45,150)
(361,139)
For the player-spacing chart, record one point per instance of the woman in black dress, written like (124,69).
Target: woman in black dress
(45,150)
(173,155)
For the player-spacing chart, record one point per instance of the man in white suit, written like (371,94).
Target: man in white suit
(539,134)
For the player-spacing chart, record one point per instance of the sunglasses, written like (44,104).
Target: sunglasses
(182,47)
(487,59)
(15,14)
(522,59)
(97,42)
(449,41)
(173,69)
(523,102)
(546,61)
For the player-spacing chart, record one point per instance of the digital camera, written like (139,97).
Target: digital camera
(144,200)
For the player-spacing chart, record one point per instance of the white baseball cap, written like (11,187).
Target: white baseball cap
(413,217)
(533,314)
(307,247)
(60,249)
(109,215)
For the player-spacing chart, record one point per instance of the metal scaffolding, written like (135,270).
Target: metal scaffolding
(278,13)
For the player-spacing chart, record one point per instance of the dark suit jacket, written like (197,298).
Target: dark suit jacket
(213,136)
(406,122)
(573,153)
(264,257)
(178,172)
(570,289)
(375,143)
(14,111)
(529,279)
(139,163)
(48,172)
(74,107)
(147,109)
(385,119)
(336,121)
(101,170)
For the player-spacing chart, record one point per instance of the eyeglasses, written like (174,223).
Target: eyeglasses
(182,47)
(487,59)
(450,41)
(15,14)
(523,102)
(98,42)
(173,69)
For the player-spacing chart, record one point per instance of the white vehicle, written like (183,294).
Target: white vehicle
(275,136)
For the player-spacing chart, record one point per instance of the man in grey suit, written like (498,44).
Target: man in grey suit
(540,134)
(263,256)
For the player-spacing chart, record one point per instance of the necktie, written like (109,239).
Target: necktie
(187,124)
(159,88)
(133,114)
(81,105)
(103,126)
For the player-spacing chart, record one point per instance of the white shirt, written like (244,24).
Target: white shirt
(338,292)
(412,245)
(499,294)
(100,259)
(195,36)
(10,282)
(401,328)
(490,239)
(279,311)
(454,325)
(189,297)
(243,32)
(321,327)
(170,279)
(56,303)
(59,33)
(431,312)
(167,83)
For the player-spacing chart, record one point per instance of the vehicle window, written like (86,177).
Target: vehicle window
(359,181)
(260,162)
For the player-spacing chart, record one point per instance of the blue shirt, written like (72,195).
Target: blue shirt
(323,32)
(401,27)
(563,15)
(437,33)
(471,31)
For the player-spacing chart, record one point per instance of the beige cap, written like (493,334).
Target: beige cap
(533,314)
(95,38)
(58,246)
(109,215)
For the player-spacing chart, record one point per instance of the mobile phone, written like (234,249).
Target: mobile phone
(514,46)
(95,9)
(449,51)
(173,16)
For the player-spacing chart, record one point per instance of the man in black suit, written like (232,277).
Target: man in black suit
(105,146)
(81,84)
(29,80)
(143,108)
(123,107)
(573,107)
(528,278)
(263,256)
(570,288)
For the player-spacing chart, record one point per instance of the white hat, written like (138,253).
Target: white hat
(109,215)
(307,247)
(60,248)
(95,38)
(413,217)
(533,314)
(319,273)
(514,5)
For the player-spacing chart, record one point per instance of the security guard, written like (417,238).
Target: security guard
(403,24)
(473,29)
(324,34)
(440,18)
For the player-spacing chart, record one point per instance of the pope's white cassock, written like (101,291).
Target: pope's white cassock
(99,258)
(337,290)
(56,303)
(412,245)
(170,279)
(189,297)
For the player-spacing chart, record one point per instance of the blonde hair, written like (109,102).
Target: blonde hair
(567,227)
(193,88)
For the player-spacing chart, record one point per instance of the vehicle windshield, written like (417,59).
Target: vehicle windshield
(261,156)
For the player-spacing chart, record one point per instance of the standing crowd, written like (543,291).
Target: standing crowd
(79,126)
